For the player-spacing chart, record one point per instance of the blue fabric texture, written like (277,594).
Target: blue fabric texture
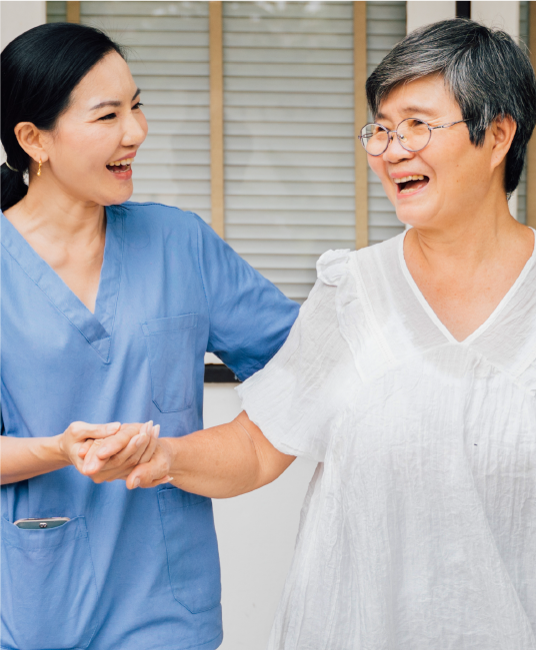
(140,569)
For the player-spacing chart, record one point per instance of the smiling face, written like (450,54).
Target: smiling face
(450,178)
(90,151)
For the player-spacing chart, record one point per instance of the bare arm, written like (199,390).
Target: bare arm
(219,462)
(24,458)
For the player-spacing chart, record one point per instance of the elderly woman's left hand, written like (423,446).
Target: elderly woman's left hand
(155,471)
(114,457)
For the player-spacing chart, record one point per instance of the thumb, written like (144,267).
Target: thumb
(145,474)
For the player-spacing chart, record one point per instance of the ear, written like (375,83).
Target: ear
(32,141)
(503,131)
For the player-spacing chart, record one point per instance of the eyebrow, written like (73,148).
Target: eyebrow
(411,110)
(113,103)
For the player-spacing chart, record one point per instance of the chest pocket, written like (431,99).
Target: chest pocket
(171,352)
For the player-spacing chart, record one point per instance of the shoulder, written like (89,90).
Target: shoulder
(335,265)
(156,216)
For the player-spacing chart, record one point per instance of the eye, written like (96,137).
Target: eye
(110,116)
(137,105)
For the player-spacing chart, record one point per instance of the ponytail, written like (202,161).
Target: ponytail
(13,187)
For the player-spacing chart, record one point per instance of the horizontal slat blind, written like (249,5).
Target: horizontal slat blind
(288,129)
(386,25)
(167,45)
(57,11)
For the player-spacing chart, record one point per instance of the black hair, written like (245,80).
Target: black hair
(40,70)
(487,73)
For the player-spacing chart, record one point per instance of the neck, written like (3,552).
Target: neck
(462,242)
(56,215)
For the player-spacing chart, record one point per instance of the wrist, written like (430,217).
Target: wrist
(167,445)
(59,448)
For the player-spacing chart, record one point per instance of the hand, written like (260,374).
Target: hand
(154,472)
(76,437)
(115,457)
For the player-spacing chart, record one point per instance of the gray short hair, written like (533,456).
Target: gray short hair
(488,74)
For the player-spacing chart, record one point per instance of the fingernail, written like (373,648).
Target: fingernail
(140,439)
(91,467)
(136,482)
(156,431)
(112,427)
(168,479)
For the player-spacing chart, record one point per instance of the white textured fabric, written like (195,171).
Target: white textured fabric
(419,528)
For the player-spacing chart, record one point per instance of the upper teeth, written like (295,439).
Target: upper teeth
(405,179)
(117,163)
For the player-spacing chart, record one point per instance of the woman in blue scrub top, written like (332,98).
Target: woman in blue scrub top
(107,310)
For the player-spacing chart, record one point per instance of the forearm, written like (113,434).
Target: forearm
(23,458)
(224,461)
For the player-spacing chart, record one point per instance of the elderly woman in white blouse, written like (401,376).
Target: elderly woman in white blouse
(410,376)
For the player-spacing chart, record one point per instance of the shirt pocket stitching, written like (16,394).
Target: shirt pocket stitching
(154,332)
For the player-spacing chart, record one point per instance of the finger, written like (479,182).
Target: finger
(144,475)
(84,430)
(131,454)
(84,448)
(148,453)
(118,442)
(92,463)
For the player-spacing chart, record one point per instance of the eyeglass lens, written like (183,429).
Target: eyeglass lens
(413,135)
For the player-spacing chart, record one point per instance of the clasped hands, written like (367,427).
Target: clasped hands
(112,451)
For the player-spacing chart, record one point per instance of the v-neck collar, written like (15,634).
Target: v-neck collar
(489,320)
(96,328)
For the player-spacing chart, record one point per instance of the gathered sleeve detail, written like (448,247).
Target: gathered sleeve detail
(295,398)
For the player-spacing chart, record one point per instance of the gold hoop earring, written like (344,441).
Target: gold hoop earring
(39,169)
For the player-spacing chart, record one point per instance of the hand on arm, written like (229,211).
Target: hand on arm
(219,462)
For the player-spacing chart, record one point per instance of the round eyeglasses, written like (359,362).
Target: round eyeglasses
(413,135)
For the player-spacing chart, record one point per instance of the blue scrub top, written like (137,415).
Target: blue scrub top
(140,569)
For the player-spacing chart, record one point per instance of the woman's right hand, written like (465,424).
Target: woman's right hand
(78,437)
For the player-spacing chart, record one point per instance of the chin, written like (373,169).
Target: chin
(116,198)
(415,216)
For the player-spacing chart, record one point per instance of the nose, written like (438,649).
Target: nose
(395,152)
(135,130)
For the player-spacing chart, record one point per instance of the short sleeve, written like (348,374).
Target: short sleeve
(296,397)
(250,318)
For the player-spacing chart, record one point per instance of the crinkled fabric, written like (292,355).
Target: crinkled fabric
(419,527)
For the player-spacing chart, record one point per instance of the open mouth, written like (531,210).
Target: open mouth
(120,166)
(411,184)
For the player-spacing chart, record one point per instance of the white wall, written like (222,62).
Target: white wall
(19,17)
(424,12)
(504,15)
(16,18)
(256,535)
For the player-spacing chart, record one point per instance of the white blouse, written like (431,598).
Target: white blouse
(419,528)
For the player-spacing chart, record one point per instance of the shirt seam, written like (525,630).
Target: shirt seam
(202,279)
(50,300)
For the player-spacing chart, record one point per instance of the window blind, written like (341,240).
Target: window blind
(167,48)
(386,26)
(288,135)
(56,11)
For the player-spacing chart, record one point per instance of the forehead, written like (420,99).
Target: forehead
(428,97)
(109,80)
